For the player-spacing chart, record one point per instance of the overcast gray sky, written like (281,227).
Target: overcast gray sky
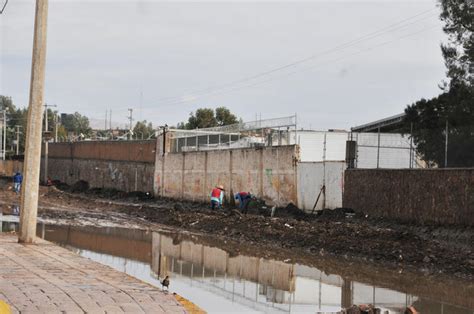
(104,54)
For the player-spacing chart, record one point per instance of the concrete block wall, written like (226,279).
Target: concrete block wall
(120,175)
(127,166)
(444,196)
(270,173)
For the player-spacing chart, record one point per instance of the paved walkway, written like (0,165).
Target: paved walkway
(46,278)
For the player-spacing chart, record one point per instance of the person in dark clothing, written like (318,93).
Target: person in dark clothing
(244,199)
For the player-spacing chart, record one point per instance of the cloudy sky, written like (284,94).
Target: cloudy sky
(336,64)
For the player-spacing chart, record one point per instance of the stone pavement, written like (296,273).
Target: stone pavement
(46,278)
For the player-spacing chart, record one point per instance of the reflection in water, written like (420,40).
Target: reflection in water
(266,285)
(219,281)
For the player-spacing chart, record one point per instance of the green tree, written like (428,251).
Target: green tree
(143,130)
(204,118)
(225,117)
(15,117)
(62,133)
(77,123)
(207,118)
(429,117)
(458,53)
(456,105)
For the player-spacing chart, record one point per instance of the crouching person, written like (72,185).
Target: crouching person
(244,199)
(217,197)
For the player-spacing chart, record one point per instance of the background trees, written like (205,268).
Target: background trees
(455,106)
(15,117)
(76,123)
(429,117)
(458,52)
(143,130)
(207,118)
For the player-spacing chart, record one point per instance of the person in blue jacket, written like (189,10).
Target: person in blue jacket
(17,180)
(244,199)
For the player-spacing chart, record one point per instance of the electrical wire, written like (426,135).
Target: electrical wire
(387,29)
(4,6)
(220,92)
(224,88)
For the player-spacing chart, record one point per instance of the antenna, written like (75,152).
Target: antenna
(130,118)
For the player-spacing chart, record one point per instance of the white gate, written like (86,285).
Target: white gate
(312,176)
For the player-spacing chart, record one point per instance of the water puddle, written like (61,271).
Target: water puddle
(219,279)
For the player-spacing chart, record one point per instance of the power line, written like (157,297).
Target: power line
(225,91)
(387,29)
(4,6)
(199,93)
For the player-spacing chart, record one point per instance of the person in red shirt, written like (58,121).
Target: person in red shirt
(217,197)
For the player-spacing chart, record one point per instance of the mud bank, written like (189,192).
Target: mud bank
(429,249)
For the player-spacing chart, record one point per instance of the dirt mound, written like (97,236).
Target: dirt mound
(80,186)
(106,193)
(291,210)
(111,193)
(140,196)
(338,213)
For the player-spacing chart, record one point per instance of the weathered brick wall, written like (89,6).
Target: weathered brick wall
(444,196)
(9,167)
(141,151)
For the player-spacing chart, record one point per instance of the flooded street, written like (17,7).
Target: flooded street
(218,278)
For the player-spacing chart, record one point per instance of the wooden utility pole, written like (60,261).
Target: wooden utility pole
(30,188)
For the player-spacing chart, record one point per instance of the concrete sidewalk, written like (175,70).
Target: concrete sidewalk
(46,278)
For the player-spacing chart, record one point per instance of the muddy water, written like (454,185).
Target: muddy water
(218,278)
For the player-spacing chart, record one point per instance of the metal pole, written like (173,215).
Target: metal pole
(4,133)
(446,146)
(30,189)
(17,139)
(164,142)
(130,117)
(296,126)
(411,145)
(55,127)
(378,147)
(324,172)
(45,144)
